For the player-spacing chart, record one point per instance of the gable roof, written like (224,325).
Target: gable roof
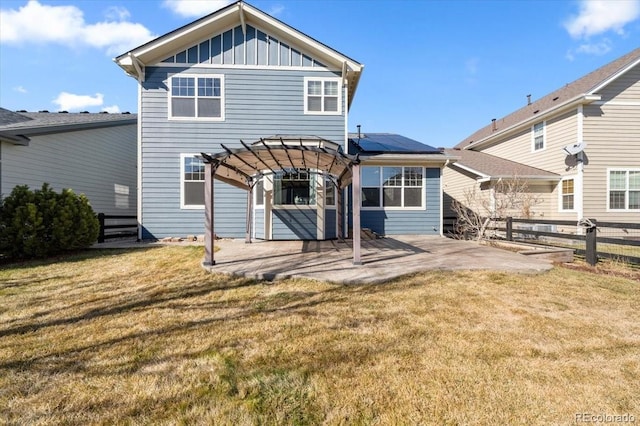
(490,167)
(236,13)
(582,91)
(15,127)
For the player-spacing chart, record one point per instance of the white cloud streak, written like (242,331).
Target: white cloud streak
(71,102)
(20,89)
(65,25)
(114,109)
(194,8)
(601,16)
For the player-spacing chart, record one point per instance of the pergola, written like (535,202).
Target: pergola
(243,167)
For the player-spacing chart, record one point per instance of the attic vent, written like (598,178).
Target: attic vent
(44,111)
(556,98)
(126,113)
(84,112)
(104,112)
(536,111)
(493,125)
(63,112)
(21,110)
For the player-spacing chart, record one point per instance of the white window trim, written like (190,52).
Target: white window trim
(255,196)
(401,208)
(560,194)
(196,76)
(322,79)
(544,137)
(626,195)
(182,181)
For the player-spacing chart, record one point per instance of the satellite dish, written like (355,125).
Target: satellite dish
(575,148)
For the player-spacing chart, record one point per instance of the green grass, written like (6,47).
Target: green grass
(146,336)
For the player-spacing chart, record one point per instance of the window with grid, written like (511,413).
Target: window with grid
(568,194)
(192,182)
(392,187)
(624,189)
(294,187)
(196,97)
(538,136)
(322,96)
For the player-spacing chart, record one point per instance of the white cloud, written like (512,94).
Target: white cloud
(276,10)
(600,16)
(20,89)
(194,8)
(65,25)
(70,102)
(114,109)
(116,13)
(595,48)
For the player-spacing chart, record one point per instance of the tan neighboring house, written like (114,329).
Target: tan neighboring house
(577,149)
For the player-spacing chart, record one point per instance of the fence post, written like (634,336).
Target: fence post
(101,234)
(509,224)
(591,247)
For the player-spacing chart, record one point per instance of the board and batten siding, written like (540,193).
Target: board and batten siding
(258,103)
(612,134)
(402,222)
(100,163)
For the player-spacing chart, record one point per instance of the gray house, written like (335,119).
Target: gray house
(244,119)
(93,154)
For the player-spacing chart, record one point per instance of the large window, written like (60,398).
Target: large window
(567,195)
(400,187)
(192,182)
(294,187)
(196,97)
(624,189)
(538,135)
(322,96)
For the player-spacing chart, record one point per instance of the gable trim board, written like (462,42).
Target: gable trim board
(156,50)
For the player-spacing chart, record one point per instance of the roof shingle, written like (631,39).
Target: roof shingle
(581,86)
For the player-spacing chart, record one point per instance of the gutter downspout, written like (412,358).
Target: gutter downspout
(446,163)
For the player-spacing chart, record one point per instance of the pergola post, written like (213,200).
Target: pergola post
(356,194)
(247,238)
(209,234)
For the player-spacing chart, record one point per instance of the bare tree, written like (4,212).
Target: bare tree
(478,209)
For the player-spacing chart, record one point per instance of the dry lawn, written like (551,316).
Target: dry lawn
(146,336)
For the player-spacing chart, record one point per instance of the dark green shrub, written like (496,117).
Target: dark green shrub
(41,223)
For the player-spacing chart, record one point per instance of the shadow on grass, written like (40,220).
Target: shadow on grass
(71,256)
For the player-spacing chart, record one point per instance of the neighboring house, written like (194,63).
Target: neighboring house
(577,149)
(268,107)
(92,154)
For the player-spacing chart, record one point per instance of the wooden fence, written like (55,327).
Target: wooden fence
(585,236)
(117,230)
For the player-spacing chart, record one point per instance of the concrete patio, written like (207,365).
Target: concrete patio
(383,259)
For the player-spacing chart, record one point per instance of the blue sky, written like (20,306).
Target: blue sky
(435,71)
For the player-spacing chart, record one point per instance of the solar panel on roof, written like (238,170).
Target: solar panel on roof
(387,142)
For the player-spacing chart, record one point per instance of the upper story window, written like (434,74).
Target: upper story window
(191,182)
(567,194)
(322,96)
(538,136)
(198,97)
(624,189)
(401,187)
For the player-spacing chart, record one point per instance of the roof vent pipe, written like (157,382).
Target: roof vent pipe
(493,125)
(529,99)
(358,126)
